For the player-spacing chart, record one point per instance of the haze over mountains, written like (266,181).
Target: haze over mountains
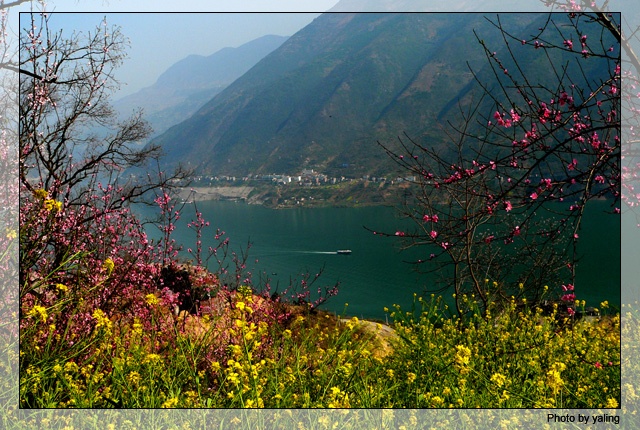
(187,85)
(326,96)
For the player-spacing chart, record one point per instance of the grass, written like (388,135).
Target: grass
(515,358)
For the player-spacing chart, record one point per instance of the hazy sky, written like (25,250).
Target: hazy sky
(158,40)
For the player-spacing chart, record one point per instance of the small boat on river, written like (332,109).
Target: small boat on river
(343,251)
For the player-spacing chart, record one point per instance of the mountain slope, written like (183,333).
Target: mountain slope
(345,81)
(188,84)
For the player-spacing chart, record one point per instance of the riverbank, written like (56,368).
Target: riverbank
(198,194)
(355,193)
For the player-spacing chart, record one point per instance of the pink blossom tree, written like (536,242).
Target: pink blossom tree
(80,247)
(501,207)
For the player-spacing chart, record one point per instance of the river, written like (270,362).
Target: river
(288,243)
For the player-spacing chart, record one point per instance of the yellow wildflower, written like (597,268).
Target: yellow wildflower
(70,367)
(611,403)
(41,194)
(151,299)
(554,377)
(133,377)
(170,403)
(462,358)
(498,379)
(62,288)
(52,205)
(108,265)
(151,358)
(102,320)
(38,312)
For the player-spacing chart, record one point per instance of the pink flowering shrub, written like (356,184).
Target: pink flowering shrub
(511,186)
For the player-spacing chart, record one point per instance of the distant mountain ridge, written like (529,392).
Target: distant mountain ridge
(188,84)
(322,99)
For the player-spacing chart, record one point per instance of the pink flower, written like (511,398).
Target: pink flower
(433,234)
(598,365)
(507,206)
(445,245)
(434,218)
(571,311)
(534,195)
(400,233)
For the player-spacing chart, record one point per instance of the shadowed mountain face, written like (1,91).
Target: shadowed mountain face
(327,95)
(187,85)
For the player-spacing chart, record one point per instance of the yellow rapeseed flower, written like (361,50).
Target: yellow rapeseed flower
(133,377)
(498,379)
(39,312)
(62,288)
(151,358)
(170,403)
(554,377)
(108,265)
(151,299)
(462,358)
(70,367)
(102,320)
(41,194)
(52,205)
(611,403)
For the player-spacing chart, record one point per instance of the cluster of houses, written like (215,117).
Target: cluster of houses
(308,177)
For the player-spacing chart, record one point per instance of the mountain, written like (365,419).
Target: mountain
(188,84)
(347,80)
